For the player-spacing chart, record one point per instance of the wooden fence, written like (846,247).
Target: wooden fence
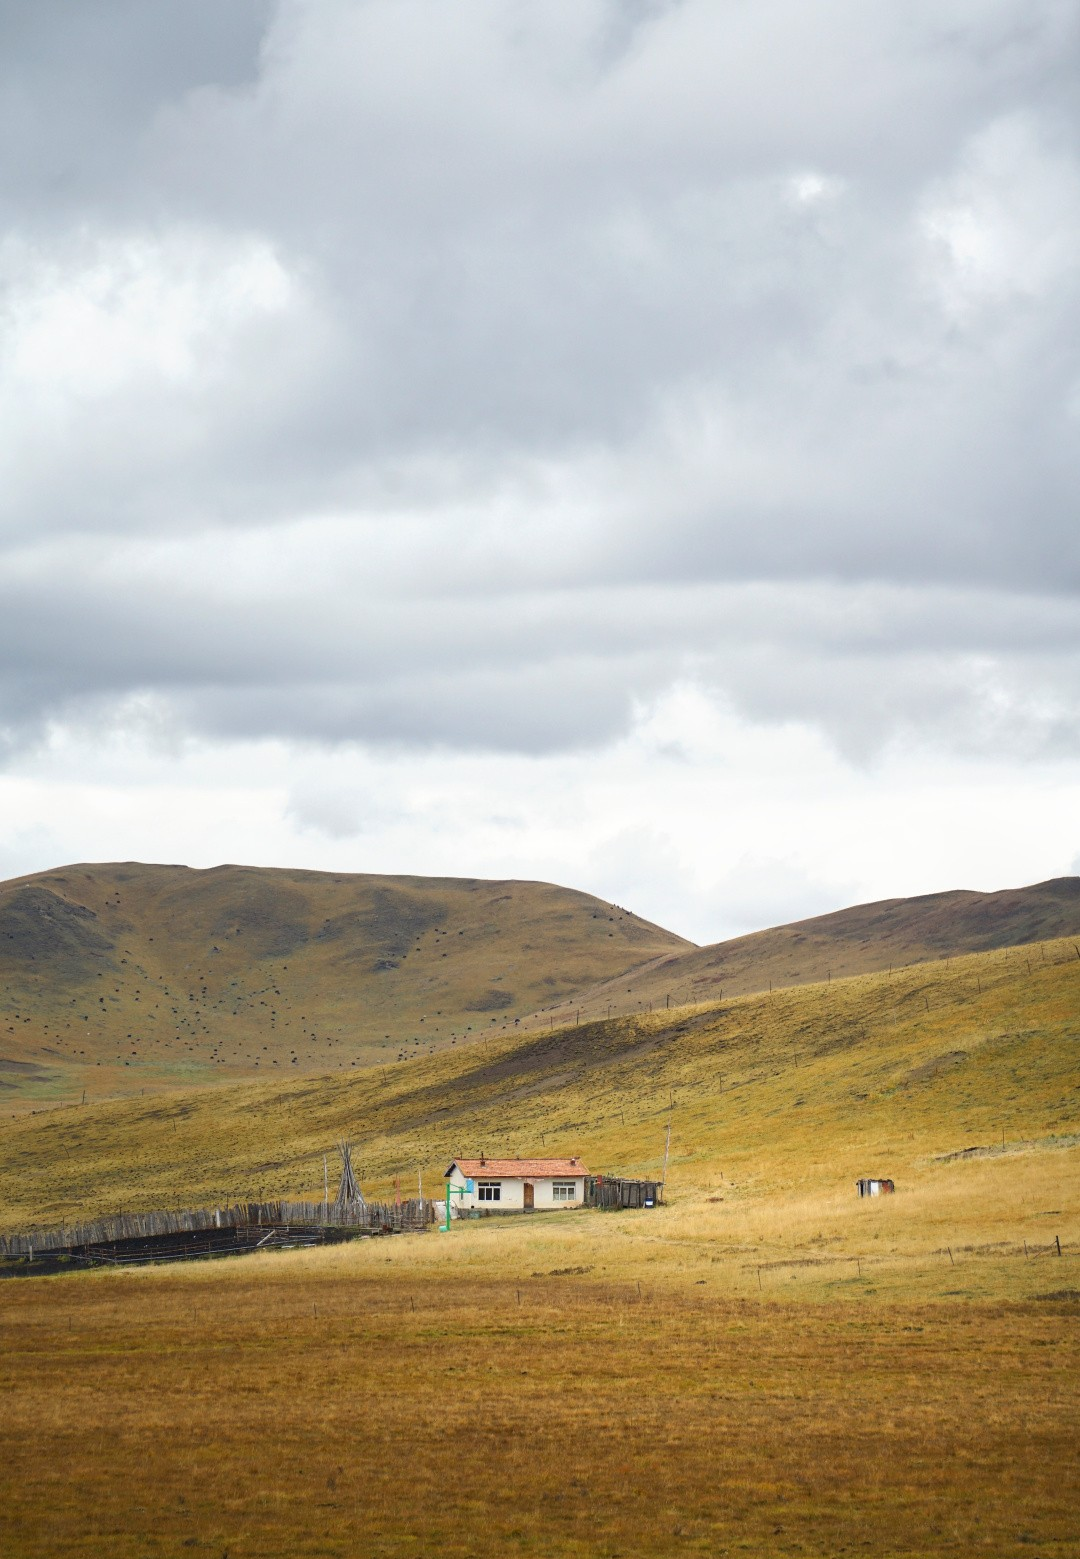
(391,1217)
(603,1191)
(608,1191)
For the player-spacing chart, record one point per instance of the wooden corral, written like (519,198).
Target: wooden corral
(255,1218)
(611,1192)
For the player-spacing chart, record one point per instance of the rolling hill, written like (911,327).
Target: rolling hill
(868,937)
(784,1368)
(787,1368)
(119,978)
(942,1076)
(130,978)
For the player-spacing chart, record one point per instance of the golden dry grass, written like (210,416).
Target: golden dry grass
(777,1105)
(354,1402)
(773,1101)
(765,1366)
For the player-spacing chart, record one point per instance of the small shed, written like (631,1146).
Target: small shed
(874,1187)
(516,1184)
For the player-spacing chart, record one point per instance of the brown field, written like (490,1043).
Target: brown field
(767,1365)
(355,1402)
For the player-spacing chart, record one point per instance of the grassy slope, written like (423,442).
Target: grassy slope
(778,1103)
(767,1366)
(860,940)
(127,977)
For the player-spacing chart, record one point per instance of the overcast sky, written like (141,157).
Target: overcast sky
(632,443)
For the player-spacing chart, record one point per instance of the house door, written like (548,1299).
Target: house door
(528,1195)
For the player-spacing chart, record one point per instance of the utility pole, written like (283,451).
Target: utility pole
(667,1145)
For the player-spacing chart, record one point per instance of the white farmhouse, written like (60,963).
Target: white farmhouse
(516,1184)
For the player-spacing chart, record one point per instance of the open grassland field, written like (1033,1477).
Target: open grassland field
(117,979)
(860,940)
(361,1402)
(767,1365)
(958,1081)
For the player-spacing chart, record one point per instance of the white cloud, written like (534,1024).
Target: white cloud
(131,310)
(812,189)
(697,819)
(129,358)
(500,437)
(1006,223)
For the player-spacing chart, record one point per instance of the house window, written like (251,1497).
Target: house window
(489,1191)
(564,1190)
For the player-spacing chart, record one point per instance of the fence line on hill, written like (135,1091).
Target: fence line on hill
(391,1216)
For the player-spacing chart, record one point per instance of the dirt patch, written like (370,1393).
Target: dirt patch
(805,1261)
(995,1149)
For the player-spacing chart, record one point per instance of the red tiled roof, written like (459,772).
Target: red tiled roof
(526,1168)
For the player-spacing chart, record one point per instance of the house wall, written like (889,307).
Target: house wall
(513,1193)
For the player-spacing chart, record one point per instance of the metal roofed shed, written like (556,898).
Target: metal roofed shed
(870,1186)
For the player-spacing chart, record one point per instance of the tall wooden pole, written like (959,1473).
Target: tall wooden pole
(667,1148)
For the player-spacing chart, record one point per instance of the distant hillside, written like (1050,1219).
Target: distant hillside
(861,940)
(130,978)
(810,1086)
(123,977)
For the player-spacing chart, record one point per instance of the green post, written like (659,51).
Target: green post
(453,1190)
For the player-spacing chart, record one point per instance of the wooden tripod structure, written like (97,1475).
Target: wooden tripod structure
(349,1193)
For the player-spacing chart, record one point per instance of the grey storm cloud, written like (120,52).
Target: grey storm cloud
(387,370)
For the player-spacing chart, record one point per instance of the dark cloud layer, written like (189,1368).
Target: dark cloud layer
(466,375)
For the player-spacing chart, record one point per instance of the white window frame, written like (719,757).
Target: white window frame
(564,1191)
(489,1190)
